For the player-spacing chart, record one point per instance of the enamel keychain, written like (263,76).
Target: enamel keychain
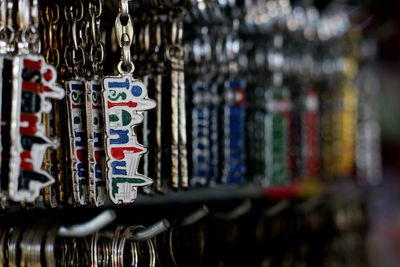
(124,100)
(94,115)
(74,55)
(32,83)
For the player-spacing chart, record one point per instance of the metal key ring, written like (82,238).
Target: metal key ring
(170,244)
(129,232)
(152,253)
(13,243)
(99,250)
(36,241)
(121,247)
(25,246)
(106,244)
(3,238)
(135,255)
(96,10)
(116,239)
(94,249)
(49,245)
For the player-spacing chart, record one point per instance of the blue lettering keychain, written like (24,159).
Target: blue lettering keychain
(124,100)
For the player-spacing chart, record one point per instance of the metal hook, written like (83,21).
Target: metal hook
(277,208)
(235,213)
(308,205)
(151,231)
(195,216)
(90,227)
(145,234)
(124,30)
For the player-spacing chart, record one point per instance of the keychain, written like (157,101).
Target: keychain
(54,161)
(175,54)
(124,100)
(4,108)
(310,134)
(278,108)
(74,56)
(94,116)
(160,186)
(33,82)
(233,114)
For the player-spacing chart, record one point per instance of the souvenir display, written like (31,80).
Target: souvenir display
(148,109)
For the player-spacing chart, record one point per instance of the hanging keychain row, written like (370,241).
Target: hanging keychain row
(120,100)
(260,112)
(300,69)
(100,154)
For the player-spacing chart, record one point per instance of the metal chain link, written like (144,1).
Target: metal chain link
(74,52)
(6,30)
(51,47)
(33,31)
(125,34)
(175,52)
(95,46)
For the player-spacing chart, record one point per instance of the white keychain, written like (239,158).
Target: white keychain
(33,84)
(124,100)
(94,114)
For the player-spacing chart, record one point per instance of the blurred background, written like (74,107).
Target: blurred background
(384,199)
(275,142)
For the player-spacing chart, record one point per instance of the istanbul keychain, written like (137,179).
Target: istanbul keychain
(33,84)
(94,116)
(74,56)
(124,100)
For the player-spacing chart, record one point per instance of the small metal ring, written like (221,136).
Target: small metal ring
(68,56)
(69,13)
(175,52)
(152,253)
(79,59)
(135,254)
(99,250)
(122,71)
(52,56)
(96,53)
(96,10)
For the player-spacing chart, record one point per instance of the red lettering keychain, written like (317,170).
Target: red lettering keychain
(124,100)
